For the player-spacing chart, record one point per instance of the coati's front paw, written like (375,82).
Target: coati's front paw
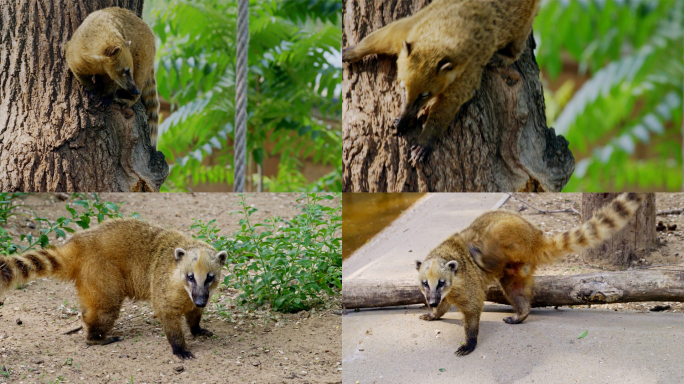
(202,332)
(183,354)
(466,348)
(419,154)
(428,317)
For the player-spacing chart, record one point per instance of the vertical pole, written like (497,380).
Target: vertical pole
(240,145)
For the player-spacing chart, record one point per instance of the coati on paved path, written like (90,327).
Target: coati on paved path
(502,246)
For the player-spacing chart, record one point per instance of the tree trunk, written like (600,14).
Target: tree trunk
(53,136)
(597,288)
(498,141)
(637,240)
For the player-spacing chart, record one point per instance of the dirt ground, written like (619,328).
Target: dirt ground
(261,347)
(670,253)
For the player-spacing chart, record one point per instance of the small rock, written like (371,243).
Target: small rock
(38,361)
(179,369)
(19,322)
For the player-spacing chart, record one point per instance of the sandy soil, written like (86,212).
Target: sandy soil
(670,253)
(262,347)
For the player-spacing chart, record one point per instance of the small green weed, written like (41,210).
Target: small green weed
(90,210)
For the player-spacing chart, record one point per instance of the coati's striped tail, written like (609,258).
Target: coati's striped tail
(605,222)
(17,269)
(151,103)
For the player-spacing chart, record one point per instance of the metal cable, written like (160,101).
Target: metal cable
(240,145)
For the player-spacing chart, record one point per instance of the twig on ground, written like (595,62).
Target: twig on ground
(676,211)
(543,212)
(73,331)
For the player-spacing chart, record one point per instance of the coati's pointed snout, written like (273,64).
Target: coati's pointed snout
(401,123)
(434,304)
(199,296)
(134,91)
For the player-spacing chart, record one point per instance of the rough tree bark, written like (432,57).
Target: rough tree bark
(54,137)
(596,288)
(498,141)
(637,240)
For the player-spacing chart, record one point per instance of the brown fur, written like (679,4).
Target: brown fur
(128,258)
(442,51)
(108,42)
(502,246)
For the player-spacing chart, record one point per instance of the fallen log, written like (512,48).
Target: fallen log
(595,288)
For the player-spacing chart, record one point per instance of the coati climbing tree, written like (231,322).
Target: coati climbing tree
(498,141)
(53,136)
(637,240)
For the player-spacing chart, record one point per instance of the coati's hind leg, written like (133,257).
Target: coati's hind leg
(437,311)
(517,287)
(386,40)
(100,312)
(193,318)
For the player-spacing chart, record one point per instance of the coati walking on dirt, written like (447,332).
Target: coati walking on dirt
(112,54)
(441,53)
(502,246)
(128,258)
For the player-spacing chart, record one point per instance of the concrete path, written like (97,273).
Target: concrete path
(394,346)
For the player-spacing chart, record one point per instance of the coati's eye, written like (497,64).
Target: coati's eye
(440,284)
(424,95)
(209,279)
(127,71)
(191,277)
(425,284)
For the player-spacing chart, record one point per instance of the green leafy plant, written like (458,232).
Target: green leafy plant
(623,124)
(293,90)
(285,264)
(89,210)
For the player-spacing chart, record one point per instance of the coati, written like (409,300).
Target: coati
(442,51)
(502,246)
(128,258)
(112,54)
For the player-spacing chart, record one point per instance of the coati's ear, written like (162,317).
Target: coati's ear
(407,47)
(222,256)
(446,66)
(180,253)
(418,264)
(112,50)
(452,265)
